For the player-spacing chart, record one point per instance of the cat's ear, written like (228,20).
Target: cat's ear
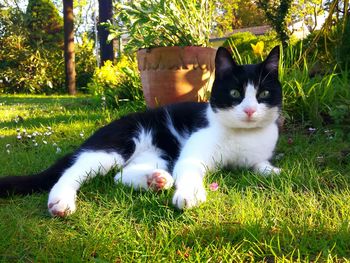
(224,61)
(270,64)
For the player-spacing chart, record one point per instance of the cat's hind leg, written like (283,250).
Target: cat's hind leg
(87,164)
(147,170)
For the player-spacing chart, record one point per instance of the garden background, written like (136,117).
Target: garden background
(47,53)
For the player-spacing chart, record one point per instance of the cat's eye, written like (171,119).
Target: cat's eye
(235,94)
(265,94)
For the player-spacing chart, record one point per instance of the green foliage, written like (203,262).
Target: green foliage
(241,46)
(276,14)
(85,62)
(44,24)
(343,33)
(150,23)
(113,84)
(329,46)
(306,11)
(37,68)
(23,69)
(12,22)
(242,41)
(314,99)
(233,14)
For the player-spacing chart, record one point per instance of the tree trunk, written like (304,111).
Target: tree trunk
(69,53)
(105,8)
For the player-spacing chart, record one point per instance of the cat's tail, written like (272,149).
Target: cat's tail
(28,184)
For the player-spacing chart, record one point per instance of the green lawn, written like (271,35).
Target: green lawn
(300,215)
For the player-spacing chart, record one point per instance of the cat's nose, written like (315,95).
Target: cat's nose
(249,111)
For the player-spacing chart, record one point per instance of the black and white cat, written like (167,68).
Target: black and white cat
(175,144)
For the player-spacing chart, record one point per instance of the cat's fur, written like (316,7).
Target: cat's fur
(175,144)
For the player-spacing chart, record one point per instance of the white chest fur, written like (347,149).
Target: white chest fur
(243,147)
(246,147)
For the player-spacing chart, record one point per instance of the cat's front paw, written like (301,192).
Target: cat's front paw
(265,168)
(189,197)
(61,201)
(160,180)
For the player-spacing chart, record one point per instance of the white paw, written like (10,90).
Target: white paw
(189,197)
(160,180)
(265,168)
(268,170)
(276,170)
(61,201)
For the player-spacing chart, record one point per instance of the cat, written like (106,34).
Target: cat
(175,144)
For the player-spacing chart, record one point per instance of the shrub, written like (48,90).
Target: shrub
(331,48)
(38,67)
(85,62)
(242,42)
(113,84)
(23,67)
(241,46)
(24,70)
(44,23)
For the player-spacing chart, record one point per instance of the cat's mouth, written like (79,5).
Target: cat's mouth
(250,120)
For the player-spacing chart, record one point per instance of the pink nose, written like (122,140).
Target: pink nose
(249,111)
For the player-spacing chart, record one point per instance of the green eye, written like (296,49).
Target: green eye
(235,94)
(265,94)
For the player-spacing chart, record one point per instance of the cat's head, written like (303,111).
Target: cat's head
(246,96)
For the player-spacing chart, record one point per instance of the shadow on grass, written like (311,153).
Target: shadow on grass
(266,243)
(157,205)
(66,101)
(55,119)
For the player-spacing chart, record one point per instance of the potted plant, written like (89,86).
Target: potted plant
(171,38)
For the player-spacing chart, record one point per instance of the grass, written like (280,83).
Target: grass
(300,215)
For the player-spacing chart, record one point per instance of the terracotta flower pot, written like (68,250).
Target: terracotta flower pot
(176,74)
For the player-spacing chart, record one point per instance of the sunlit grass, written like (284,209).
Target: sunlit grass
(300,215)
